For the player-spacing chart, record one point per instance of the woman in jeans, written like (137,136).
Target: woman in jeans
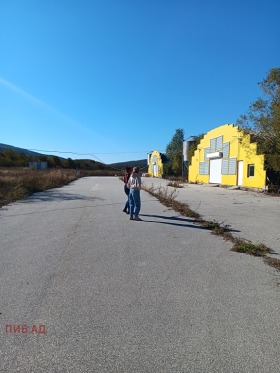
(128,171)
(134,185)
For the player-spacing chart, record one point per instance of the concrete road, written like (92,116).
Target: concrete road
(254,216)
(113,295)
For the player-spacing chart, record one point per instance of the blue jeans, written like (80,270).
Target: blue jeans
(126,207)
(134,202)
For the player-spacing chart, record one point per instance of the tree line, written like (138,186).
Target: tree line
(262,120)
(11,158)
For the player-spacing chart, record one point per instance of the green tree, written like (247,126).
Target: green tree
(43,158)
(174,151)
(11,158)
(55,161)
(262,120)
(69,163)
(194,146)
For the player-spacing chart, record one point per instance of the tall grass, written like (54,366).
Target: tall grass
(101,173)
(19,183)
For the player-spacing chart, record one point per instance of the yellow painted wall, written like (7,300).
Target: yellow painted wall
(156,154)
(240,148)
(198,156)
(248,154)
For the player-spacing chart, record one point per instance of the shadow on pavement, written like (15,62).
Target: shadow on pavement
(195,223)
(53,196)
(169,217)
(175,224)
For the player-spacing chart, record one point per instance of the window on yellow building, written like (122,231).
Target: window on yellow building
(204,168)
(216,144)
(251,170)
(229,166)
(226,150)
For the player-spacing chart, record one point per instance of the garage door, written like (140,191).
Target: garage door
(215,171)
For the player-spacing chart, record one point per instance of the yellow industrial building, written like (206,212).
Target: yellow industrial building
(155,163)
(226,156)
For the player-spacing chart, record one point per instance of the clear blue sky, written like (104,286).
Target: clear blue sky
(120,76)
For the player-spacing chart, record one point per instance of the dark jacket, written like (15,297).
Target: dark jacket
(125,180)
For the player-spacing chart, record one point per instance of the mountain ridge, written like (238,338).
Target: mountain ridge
(141,163)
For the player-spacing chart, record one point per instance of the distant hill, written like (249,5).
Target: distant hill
(141,163)
(12,156)
(19,150)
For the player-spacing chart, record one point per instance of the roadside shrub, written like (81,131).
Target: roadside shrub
(175,184)
(17,184)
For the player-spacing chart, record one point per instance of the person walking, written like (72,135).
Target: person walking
(128,171)
(134,185)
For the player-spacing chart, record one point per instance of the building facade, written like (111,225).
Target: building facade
(226,156)
(38,165)
(155,163)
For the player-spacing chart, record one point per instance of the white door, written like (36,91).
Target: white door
(155,170)
(215,171)
(240,173)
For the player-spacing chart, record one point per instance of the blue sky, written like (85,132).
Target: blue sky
(120,76)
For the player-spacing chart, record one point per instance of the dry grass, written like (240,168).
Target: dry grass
(168,199)
(273,262)
(219,229)
(175,184)
(19,183)
(101,173)
(247,247)
(240,245)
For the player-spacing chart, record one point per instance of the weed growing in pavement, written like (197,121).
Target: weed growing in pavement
(247,247)
(273,262)
(217,228)
(175,184)
(168,198)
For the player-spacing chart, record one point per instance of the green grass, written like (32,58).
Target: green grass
(247,247)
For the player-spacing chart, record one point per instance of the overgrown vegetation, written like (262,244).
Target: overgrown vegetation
(173,153)
(219,229)
(273,262)
(194,146)
(17,183)
(247,247)
(262,121)
(175,184)
(168,198)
